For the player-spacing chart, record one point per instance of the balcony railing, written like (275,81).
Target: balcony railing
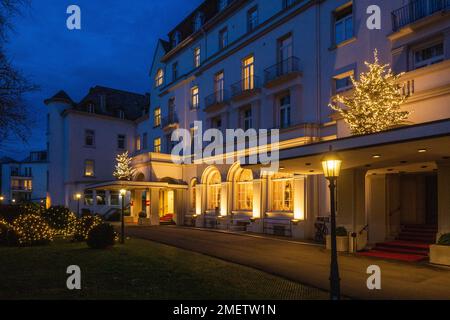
(21,175)
(281,69)
(21,188)
(170,120)
(417,10)
(217,98)
(244,86)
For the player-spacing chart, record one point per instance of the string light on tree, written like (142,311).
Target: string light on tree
(375,104)
(124,171)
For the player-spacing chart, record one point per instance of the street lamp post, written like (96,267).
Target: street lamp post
(78,197)
(123,192)
(331,164)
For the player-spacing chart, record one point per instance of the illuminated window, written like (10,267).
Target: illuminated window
(101,197)
(197,57)
(282,193)
(159,78)
(195,99)
(245,190)
(343,82)
(28,185)
(214,187)
(157,117)
(157,145)
(138,143)
(248,73)
(89,168)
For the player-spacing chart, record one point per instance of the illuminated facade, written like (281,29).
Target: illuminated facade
(277,64)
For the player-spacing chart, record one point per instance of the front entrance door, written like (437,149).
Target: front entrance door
(166,203)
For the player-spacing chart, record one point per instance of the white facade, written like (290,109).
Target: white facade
(277,64)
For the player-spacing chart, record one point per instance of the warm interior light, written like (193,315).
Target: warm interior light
(123,192)
(331,164)
(2,198)
(78,196)
(376,156)
(422,150)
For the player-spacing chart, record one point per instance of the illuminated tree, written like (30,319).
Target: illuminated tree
(376,100)
(124,171)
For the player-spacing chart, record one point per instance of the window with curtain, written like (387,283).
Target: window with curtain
(244,184)
(282,194)
(214,188)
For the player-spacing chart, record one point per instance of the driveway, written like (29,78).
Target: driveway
(307,264)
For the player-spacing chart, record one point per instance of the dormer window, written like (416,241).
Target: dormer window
(159,78)
(198,22)
(176,39)
(223,4)
(91,108)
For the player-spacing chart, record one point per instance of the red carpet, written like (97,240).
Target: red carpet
(167,219)
(412,245)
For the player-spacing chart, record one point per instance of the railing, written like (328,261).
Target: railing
(246,85)
(417,10)
(282,68)
(169,120)
(21,188)
(216,98)
(21,175)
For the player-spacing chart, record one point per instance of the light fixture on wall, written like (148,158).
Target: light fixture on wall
(422,150)
(332,164)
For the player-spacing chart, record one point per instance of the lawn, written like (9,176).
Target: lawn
(139,270)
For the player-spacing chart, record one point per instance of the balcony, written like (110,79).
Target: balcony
(245,88)
(21,175)
(281,72)
(170,122)
(21,189)
(417,10)
(216,100)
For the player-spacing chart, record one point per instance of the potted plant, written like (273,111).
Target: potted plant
(341,240)
(440,252)
(143,219)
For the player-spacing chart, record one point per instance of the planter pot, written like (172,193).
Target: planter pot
(440,255)
(341,243)
(144,222)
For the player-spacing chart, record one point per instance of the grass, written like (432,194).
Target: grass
(139,270)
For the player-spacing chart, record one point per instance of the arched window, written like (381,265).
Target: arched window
(159,78)
(282,193)
(214,187)
(244,189)
(193,195)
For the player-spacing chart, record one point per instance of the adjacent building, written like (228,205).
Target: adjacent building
(26,180)
(277,64)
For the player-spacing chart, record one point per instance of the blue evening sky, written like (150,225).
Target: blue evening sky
(114,48)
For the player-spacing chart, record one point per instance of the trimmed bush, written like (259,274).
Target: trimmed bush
(84,225)
(8,236)
(142,214)
(32,230)
(341,232)
(102,236)
(444,240)
(61,220)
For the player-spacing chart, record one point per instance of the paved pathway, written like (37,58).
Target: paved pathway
(307,264)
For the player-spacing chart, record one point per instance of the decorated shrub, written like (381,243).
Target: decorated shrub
(84,225)
(8,236)
(444,240)
(102,236)
(32,230)
(61,220)
(12,212)
(341,232)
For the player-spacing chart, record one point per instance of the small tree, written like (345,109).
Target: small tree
(124,171)
(376,100)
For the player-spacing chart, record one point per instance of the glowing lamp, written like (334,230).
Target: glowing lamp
(123,192)
(331,164)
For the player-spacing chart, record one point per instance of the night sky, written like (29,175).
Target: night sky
(114,48)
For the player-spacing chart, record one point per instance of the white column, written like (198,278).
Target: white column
(257,199)
(200,200)
(148,200)
(443,198)
(154,203)
(225,199)
(299,197)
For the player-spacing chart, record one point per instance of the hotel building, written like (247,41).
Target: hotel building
(267,64)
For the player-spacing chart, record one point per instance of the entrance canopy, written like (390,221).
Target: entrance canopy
(398,149)
(134,185)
